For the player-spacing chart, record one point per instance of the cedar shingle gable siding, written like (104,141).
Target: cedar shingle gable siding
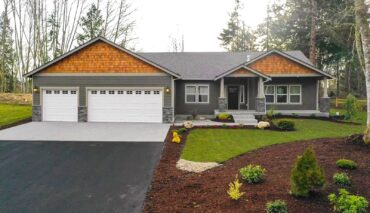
(277,64)
(243,71)
(101,57)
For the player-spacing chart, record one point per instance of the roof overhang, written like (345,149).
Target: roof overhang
(242,66)
(31,73)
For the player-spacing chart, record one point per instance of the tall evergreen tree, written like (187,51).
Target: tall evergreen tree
(92,25)
(236,36)
(7,54)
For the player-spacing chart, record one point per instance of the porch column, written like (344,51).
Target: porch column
(324,102)
(260,99)
(222,102)
(222,88)
(261,89)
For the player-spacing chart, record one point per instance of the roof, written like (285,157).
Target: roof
(106,41)
(211,65)
(196,65)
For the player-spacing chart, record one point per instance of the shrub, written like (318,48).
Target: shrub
(176,137)
(295,115)
(234,189)
(182,130)
(306,175)
(341,179)
(350,106)
(277,206)
(346,164)
(223,116)
(252,174)
(271,112)
(347,203)
(286,125)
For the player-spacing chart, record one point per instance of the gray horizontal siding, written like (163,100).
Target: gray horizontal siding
(309,93)
(101,81)
(203,109)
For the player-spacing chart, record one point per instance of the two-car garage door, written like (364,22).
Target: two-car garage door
(104,105)
(125,105)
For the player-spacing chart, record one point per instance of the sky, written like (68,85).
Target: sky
(200,21)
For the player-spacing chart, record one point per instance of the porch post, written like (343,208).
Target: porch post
(261,92)
(222,88)
(324,103)
(222,102)
(260,99)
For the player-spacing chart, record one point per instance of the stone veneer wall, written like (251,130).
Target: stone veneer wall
(36,113)
(324,104)
(167,114)
(82,114)
(222,104)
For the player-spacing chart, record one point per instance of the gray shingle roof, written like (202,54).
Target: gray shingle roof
(207,65)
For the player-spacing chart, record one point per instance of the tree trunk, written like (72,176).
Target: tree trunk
(363,25)
(313,39)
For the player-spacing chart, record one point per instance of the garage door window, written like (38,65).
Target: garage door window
(129,92)
(147,92)
(156,92)
(56,92)
(138,92)
(111,92)
(65,92)
(48,91)
(73,92)
(102,92)
(120,92)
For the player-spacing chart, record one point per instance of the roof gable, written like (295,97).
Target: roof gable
(101,56)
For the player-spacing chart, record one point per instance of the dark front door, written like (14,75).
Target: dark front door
(233,97)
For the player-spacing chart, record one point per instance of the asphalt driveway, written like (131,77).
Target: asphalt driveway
(86,131)
(75,177)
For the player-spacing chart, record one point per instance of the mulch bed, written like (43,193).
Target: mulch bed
(173,190)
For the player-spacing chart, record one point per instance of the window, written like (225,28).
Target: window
(120,92)
(94,92)
(73,92)
(129,92)
(48,91)
(242,95)
(102,92)
(138,92)
(56,92)
(283,94)
(156,92)
(270,93)
(295,94)
(196,94)
(111,92)
(147,92)
(65,92)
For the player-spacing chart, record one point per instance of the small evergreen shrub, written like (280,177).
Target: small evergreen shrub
(277,206)
(223,116)
(347,203)
(306,175)
(341,179)
(350,106)
(234,189)
(286,125)
(252,174)
(182,130)
(346,164)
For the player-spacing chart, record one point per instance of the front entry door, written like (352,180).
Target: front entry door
(233,97)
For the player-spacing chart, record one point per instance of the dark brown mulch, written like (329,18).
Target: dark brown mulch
(176,191)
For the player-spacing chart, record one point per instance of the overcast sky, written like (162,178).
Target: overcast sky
(201,21)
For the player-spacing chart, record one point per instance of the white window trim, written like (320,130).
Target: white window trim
(285,94)
(288,94)
(273,86)
(197,93)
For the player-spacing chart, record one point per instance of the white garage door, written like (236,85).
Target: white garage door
(59,105)
(125,105)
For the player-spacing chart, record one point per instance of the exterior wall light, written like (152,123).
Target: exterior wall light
(35,90)
(167,90)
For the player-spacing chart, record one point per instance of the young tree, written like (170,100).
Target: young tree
(6,53)
(91,24)
(362,23)
(236,36)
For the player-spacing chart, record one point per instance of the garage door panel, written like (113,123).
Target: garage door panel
(125,105)
(57,106)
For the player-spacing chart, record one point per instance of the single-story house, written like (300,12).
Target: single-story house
(100,81)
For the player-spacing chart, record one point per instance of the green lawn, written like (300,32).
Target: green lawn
(359,118)
(218,145)
(10,113)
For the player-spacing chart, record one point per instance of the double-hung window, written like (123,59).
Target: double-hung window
(295,94)
(270,93)
(197,93)
(281,94)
